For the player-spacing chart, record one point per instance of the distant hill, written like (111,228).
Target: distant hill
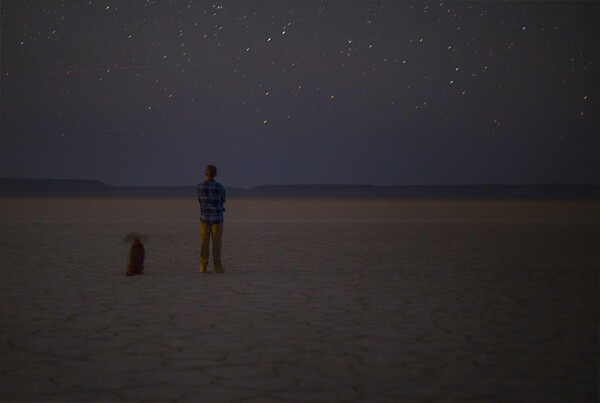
(464,191)
(25,187)
(52,184)
(12,187)
(15,187)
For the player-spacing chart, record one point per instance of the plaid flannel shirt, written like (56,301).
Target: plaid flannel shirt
(211,195)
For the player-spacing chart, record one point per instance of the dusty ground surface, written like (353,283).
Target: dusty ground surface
(323,300)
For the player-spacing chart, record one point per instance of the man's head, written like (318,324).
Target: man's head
(210,172)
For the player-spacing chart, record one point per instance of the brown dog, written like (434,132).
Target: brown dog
(136,258)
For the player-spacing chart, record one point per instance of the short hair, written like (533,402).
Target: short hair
(211,171)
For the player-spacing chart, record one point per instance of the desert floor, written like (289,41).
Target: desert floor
(323,301)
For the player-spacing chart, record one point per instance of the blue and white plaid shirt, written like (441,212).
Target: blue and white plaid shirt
(211,195)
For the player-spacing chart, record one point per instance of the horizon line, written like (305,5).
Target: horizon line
(314,184)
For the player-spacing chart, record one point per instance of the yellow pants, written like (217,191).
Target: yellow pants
(208,231)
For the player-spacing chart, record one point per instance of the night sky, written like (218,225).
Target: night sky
(301,92)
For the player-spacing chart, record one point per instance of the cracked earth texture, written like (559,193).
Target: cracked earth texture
(322,301)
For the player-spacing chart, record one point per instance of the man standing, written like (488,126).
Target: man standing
(211,195)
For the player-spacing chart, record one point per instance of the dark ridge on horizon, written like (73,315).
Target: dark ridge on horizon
(19,187)
(490,191)
(53,182)
(339,186)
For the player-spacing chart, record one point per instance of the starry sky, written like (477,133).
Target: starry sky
(141,93)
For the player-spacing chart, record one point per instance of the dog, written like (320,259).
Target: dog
(136,256)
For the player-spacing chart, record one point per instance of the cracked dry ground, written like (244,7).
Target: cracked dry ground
(313,312)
